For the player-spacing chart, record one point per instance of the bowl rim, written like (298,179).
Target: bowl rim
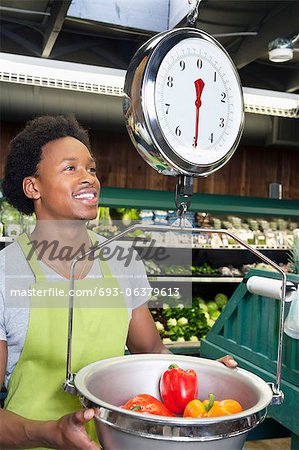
(259,383)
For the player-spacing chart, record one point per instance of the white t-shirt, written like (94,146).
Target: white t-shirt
(17,276)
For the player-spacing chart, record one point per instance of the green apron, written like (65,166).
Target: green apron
(99,332)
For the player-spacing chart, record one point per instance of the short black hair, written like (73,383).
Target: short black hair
(25,152)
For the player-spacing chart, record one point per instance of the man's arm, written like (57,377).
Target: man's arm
(16,432)
(3,361)
(65,433)
(143,335)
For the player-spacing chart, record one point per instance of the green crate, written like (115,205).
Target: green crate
(248,329)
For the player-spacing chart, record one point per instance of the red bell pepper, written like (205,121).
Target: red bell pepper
(178,387)
(145,403)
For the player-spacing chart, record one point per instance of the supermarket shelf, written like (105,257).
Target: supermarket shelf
(185,279)
(235,247)
(212,203)
(143,244)
(140,242)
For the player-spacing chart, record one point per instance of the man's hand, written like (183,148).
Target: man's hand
(228,361)
(66,433)
(69,432)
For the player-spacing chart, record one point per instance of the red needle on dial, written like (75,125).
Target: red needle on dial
(199,85)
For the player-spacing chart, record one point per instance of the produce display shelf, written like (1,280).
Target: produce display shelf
(185,279)
(212,203)
(232,247)
(139,242)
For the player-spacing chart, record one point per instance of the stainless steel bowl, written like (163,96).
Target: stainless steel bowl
(108,384)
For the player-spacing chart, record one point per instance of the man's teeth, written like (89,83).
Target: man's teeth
(85,196)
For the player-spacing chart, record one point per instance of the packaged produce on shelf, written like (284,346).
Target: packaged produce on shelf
(289,239)
(270,238)
(13,223)
(10,219)
(216,240)
(216,223)
(200,239)
(273,233)
(160,217)
(146,216)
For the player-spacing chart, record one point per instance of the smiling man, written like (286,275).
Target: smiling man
(50,171)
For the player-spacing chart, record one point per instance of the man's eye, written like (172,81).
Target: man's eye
(70,168)
(92,170)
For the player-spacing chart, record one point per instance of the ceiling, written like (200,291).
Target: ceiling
(43,28)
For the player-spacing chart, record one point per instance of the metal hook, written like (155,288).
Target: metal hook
(193,14)
(182,209)
(183,193)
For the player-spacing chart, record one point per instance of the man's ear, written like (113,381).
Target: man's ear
(30,188)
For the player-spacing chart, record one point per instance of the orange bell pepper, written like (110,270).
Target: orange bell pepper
(212,408)
(195,409)
(223,408)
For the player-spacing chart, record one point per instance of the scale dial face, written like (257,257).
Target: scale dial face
(196,101)
(192,103)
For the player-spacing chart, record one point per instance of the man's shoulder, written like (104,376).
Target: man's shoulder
(9,249)
(11,253)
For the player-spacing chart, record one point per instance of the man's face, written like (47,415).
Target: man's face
(67,182)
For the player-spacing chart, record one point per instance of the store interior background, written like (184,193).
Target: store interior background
(248,173)
(268,151)
(244,28)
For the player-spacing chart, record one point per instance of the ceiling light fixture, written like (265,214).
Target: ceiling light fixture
(61,74)
(274,103)
(108,81)
(282,49)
